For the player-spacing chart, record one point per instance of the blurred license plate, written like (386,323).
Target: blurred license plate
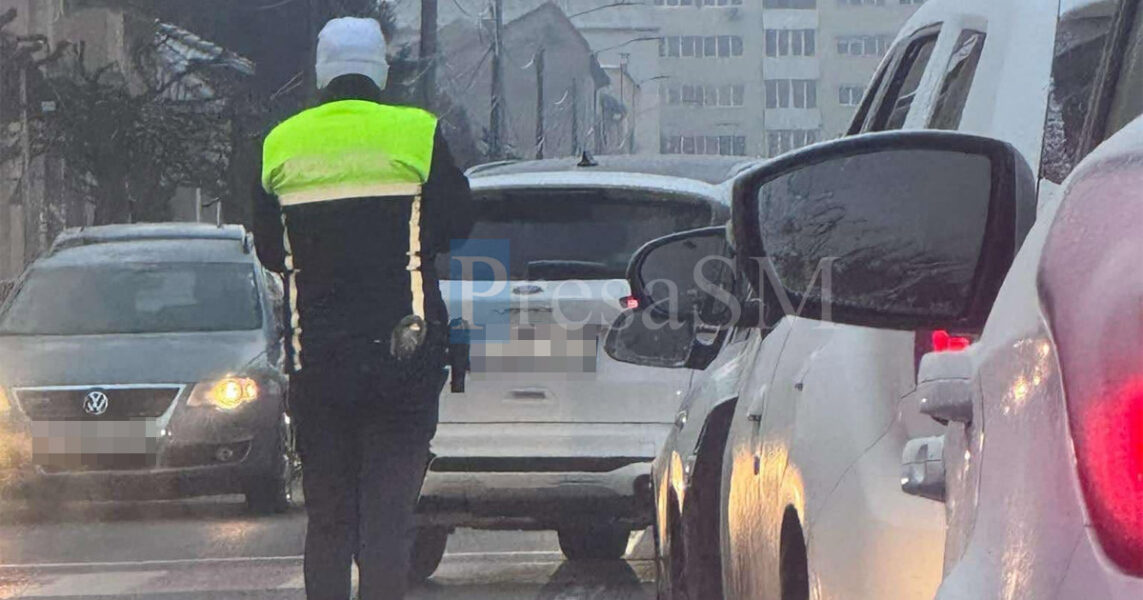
(86,444)
(541,348)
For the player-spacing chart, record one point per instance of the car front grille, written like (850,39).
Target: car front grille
(71,403)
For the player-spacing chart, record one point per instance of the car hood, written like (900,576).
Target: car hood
(122,359)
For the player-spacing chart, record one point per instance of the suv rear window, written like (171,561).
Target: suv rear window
(575,234)
(135,298)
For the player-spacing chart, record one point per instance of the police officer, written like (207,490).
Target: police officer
(356,199)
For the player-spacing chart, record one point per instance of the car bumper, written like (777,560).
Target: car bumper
(530,500)
(200,453)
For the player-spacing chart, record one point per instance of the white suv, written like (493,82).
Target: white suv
(551,433)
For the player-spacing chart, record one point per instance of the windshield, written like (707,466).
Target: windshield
(135,298)
(567,234)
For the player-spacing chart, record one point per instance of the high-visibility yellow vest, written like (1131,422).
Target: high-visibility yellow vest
(349,149)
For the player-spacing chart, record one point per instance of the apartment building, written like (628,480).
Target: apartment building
(763,77)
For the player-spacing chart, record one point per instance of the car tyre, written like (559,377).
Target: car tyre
(428,551)
(594,543)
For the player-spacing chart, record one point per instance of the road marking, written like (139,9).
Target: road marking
(148,564)
(94,584)
(206,562)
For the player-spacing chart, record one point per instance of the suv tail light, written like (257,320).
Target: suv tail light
(937,340)
(1092,293)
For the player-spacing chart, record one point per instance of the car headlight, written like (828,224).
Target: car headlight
(229,393)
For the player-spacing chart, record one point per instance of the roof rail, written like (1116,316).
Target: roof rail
(87,236)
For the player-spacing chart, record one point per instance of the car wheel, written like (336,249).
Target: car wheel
(428,550)
(594,543)
(273,493)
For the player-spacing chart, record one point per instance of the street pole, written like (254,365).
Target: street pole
(36,208)
(575,116)
(428,53)
(495,122)
(5,201)
(540,103)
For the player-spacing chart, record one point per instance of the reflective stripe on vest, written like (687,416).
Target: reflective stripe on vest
(349,149)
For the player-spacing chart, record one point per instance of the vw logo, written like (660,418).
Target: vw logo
(95,404)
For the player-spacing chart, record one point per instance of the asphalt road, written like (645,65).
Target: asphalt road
(211,549)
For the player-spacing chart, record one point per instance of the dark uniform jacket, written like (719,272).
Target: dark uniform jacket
(355,201)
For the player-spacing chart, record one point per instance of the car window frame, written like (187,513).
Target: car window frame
(963,36)
(878,119)
(872,104)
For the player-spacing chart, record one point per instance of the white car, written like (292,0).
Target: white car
(551,433)
(811,473)
(1042,461)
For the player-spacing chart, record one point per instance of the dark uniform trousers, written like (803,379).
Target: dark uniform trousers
(363,473)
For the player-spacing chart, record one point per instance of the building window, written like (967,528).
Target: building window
(781,141)
(790,3)
(791,42)
(912,1)
(864,2)
(711,46)
(725,145)
(850,95)
(718,2)
(699,96)
(863,45)
(791,93)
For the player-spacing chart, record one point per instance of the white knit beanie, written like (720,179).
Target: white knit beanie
(350,46)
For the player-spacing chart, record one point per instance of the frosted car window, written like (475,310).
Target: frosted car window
(1127,103)
(1079,49)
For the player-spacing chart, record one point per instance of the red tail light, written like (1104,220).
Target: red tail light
(939,340)
(944,342)
(1092,293)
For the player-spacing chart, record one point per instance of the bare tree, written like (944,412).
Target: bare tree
(130,135)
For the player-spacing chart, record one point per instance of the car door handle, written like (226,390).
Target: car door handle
(947,400)
(754,413)
(681,419)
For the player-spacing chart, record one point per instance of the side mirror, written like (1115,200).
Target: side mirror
(688,276)
(902,230)
(643,337)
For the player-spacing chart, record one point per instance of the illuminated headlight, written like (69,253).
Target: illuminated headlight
(228,394)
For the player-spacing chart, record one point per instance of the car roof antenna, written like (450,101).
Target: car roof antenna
(587,160)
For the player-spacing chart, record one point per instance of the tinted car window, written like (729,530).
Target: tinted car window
(958,81)
(135,298)
(599,228)
(902,88)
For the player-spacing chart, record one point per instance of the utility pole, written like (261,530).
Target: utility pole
(5,201)
(312,26)
(428,54)
(540,135)
(496,120)
(575,116)
(36,208)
